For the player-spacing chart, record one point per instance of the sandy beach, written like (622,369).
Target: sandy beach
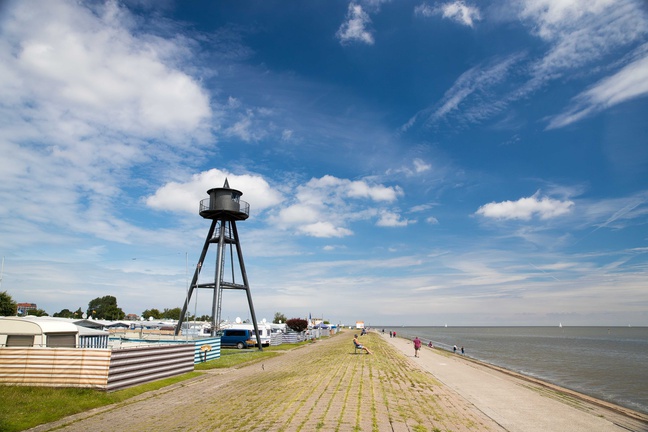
(327,386)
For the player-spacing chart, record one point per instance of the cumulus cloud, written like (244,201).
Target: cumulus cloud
(185,196)
(87,63)
(354,29)
(391,219)
(526,208)
(324,230)
(86,97)
(457,11)
(325,206)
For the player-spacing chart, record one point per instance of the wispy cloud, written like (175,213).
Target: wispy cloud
(629,83)
(576,33)
(457,11)
(579,32)
(469,95)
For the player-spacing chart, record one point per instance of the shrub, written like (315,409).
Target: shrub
(297,324)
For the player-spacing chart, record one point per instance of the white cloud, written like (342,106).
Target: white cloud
(89,65)
(391,219)
(420,166)
(457,11)
(360,189)
(576,33)
(324,229)
(86,97)
(526,208)
(185,196)
(299,213)
(473,86)
(629,83)
(324,207)
(249,126)
(286,135)
(579,32)
(354,28)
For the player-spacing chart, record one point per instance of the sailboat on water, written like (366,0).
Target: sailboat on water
(560,325)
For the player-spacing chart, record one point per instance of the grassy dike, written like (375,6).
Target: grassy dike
(318,386)
(24,407)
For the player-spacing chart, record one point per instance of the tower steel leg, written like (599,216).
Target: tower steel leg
(246,284)
(217,280)
(194,280)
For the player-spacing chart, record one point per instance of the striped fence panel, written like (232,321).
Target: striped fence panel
(293,337)
(55,367)
(129,367)
(202,353)
(276,339)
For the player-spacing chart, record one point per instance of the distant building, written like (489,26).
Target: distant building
(132,317)
(359,324)
(24,307)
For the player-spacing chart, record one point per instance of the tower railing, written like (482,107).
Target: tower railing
(244,206)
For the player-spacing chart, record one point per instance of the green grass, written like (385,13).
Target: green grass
(25,407)
(236,358)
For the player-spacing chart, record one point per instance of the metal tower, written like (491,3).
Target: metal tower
(224,207)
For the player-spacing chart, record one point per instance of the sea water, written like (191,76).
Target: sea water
(609,363)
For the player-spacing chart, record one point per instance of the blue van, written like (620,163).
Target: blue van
(236,338)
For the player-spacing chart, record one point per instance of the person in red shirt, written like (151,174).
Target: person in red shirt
(417,346)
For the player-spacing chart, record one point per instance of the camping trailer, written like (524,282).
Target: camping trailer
(20,332)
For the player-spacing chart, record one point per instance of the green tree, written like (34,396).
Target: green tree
(279,318)
(67,313)
(8,307)
(37,312)
(156,314)
(172,313)
(297,324)
(105,308)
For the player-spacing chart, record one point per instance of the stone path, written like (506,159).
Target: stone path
(326,387)
(323,386)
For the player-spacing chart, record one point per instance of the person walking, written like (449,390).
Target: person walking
(454,349)
(417,346)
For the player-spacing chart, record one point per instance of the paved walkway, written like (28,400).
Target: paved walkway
(325,386)
(516,403)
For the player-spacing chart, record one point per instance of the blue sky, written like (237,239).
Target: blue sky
(417,163)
